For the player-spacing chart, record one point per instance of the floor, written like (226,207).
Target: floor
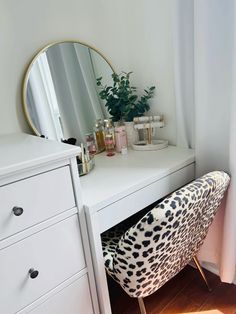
(185,293)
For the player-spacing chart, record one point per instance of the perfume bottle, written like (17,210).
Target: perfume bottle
(120,138)
(109,127)
(99,135)
(90,143)
(109,137)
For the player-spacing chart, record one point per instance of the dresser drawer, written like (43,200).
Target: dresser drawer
(56,253)
(74,299)
(39,197)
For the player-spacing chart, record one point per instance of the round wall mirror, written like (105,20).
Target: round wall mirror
(60,95)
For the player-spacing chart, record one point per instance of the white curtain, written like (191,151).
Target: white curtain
(205,75)
(183,29)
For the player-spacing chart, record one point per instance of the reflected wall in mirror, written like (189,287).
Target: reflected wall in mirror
(60,94)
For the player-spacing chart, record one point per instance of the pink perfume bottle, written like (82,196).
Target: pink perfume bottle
(120,138)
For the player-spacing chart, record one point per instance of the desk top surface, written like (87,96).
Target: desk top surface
(116,177)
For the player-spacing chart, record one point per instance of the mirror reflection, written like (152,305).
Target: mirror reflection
(61,94)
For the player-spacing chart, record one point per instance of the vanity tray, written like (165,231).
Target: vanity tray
(86,167)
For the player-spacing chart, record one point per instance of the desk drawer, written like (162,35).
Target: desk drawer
(41,197)
(74,299)
(132,203)
(56,253)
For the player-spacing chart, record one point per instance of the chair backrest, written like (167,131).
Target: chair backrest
(164,241)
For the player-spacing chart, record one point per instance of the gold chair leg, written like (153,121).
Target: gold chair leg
(141,306)
(199,267)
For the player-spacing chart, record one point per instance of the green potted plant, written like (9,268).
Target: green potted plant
(122,101)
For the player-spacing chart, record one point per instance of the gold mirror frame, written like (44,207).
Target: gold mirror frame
(27,73)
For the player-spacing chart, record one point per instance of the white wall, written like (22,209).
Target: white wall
(134,35)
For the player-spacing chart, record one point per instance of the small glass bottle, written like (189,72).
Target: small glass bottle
(91,144)
(99,135)
(109,137)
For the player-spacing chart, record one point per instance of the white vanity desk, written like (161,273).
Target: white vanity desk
(122,185)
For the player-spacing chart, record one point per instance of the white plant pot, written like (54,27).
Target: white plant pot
(132,134)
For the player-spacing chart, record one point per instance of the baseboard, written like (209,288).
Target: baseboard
(212,268)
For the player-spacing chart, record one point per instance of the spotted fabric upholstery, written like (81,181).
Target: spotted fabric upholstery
(155,249)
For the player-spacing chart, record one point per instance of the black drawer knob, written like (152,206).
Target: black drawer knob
(33,273)
(17,211)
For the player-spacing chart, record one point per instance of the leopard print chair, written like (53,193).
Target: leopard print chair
(166,239)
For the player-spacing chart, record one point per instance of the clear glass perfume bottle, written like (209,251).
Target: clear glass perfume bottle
(109,137)
(99,135)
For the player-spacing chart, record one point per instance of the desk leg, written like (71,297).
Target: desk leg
(98,262)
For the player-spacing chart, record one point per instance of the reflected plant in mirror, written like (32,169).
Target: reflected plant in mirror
(121,99)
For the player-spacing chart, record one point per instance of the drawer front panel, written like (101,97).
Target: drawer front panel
(35,199)
(74,299)
(134,202)
(56,253)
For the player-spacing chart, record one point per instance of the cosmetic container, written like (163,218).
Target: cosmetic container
(86,167)
(85,161)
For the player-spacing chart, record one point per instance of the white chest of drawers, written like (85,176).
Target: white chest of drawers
(45,263)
